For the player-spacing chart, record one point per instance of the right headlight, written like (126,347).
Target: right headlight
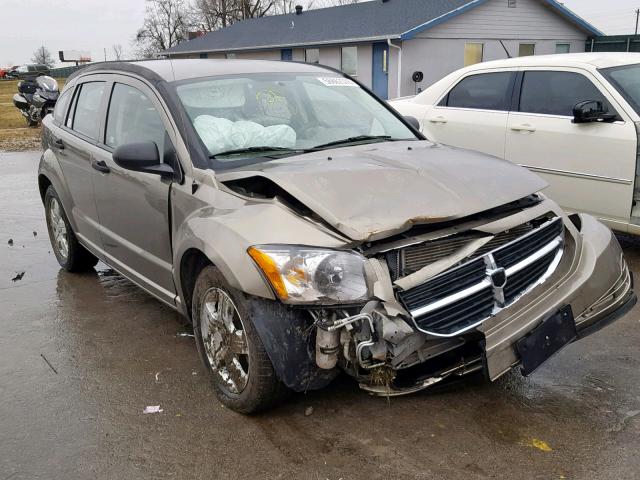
(312,275)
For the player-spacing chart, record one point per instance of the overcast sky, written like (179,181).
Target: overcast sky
(94,25)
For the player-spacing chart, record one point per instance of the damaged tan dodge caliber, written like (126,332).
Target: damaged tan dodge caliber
(304,228)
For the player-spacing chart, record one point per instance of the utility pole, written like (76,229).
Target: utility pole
(637,16)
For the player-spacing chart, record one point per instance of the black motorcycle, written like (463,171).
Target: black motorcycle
(36,98)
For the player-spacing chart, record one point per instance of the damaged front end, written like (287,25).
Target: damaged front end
(447,298)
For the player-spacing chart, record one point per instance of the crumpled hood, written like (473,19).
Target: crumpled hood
(372,191)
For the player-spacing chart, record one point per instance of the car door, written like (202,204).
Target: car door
(133,207)
(590,167)
(74,145)
(473,113)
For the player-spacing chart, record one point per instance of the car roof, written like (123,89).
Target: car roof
(183,69)
(593,60)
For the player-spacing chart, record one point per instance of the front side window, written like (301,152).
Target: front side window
(486,91)
(87,109)
(312,55)
(132,118)
(473,53)
(626,79)
(253,117)
(526,49)
(556,93)
(349,63)
(60,110)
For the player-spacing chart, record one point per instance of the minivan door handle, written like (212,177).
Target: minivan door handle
(438,119)
(525,127)
(100,165)
(59,144)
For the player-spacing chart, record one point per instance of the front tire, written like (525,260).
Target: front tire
(242,374)
(71,256)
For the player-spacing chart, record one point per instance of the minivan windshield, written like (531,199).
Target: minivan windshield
(626,79)
(270,115)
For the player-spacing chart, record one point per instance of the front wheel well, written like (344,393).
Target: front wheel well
(43,184)
(192,263)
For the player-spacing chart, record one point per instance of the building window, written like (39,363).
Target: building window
(563,47)
(473,53)
(204,55)
(230,55)
(526,49)
(312,55)
(349,62)
(511,3)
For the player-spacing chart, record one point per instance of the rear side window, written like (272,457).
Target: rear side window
(555,93)
(132,118)
(486,91)
(60,111)
(87,109)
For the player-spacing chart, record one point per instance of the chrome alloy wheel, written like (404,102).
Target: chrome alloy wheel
(58,228)
(225,340)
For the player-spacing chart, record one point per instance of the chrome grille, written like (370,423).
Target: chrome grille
(463,297)
(414,257)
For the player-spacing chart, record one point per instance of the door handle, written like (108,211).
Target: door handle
(525,127)
(59,144)
(100,165)
(438,119)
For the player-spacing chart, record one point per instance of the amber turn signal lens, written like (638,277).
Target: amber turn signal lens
(270,270)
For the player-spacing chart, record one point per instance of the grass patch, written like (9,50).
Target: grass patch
(14,133)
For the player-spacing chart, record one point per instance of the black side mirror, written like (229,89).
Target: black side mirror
(591,111)
(142,157)
(413,121)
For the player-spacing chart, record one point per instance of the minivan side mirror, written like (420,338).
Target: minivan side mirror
(142,157)
(591,111)
(413,121)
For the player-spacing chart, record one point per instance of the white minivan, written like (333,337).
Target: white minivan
(572,118)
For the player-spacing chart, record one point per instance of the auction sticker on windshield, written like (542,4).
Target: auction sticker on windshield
(337,82)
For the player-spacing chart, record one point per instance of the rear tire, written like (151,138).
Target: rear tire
(230,348)
(71,256)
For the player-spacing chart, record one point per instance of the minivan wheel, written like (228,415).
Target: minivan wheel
(230,348)
(71,256)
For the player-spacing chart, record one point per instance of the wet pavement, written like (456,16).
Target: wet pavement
(81,356)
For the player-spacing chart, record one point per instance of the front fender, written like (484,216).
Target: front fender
(224,227)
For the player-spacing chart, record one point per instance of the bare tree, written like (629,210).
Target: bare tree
(43,55)
(117,51)
(211,15)
(165,25)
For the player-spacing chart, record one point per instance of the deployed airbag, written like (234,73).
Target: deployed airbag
(220,134)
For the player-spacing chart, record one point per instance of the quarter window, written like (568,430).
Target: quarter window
(526,49)
(312,55)
(473,53)
(349,62)
(132,118)
(487,91)
(555,93)
(87,109)
(60,111)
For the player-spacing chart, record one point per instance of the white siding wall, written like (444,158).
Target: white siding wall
(494,19)
(440,50)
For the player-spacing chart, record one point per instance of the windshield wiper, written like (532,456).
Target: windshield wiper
(277,150)
(359,138)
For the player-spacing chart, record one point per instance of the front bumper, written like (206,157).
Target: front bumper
(595,281)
